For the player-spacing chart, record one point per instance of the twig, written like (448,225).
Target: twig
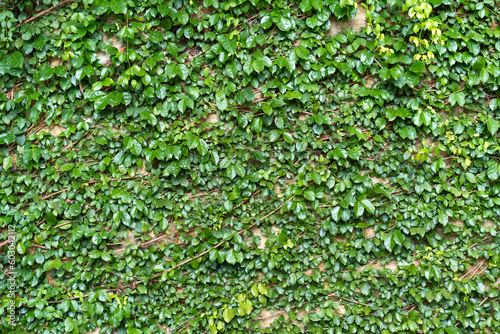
(43,13)
(182,325)
(6,274)
(353,301)
(224,241)
(81,88)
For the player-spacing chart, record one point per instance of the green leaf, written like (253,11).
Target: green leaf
(57,263)
(67,167)
(182,17)
(7,162)
(457,98)
(46,73)
(258,65)
(262,289)
(118,6)
(478,64)
(193,92)
(16,59)
(133,145)
(484,75)
(471,177)
(4,65)
(398,237)
(274,136)
(39,258)
(411,79)
(74,210)
(384,73)
(221,104)
(417,66)
(395,72)
(305,5)
(247,304)
(202,147)
(336,213)
(68,266)
(451,330)
(284,24)
(228,315)
(358,209)
(21,248)
(256,125)
(255,290)
(288,137)
(240,170)
(345,214)
(228,44)
(389,242)
(493,104)
(365,289)
(317,4)
(493,171)
(302,52)
(492,125)
(114,98)
(231,172)
(142,289)
(309,195)
(433,272)
(368,205)
(156,36)
(230,257)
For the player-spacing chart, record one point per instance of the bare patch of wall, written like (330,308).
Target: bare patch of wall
(357,24)
(258,232)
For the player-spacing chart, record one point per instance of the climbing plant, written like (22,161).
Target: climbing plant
(230,166)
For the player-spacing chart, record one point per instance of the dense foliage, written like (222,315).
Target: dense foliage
(142,186)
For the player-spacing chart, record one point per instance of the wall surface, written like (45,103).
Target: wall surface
(249,166)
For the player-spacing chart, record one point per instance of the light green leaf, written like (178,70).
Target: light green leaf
(7,162)
(228,315)
(21,248)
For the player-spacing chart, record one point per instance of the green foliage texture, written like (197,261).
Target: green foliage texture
(373,179)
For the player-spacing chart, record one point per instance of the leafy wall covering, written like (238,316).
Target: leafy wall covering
(229,166)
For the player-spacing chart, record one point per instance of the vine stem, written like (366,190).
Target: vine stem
(378,62)
(224,241)
(43,12)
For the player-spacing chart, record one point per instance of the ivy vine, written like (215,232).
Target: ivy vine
(230,166)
